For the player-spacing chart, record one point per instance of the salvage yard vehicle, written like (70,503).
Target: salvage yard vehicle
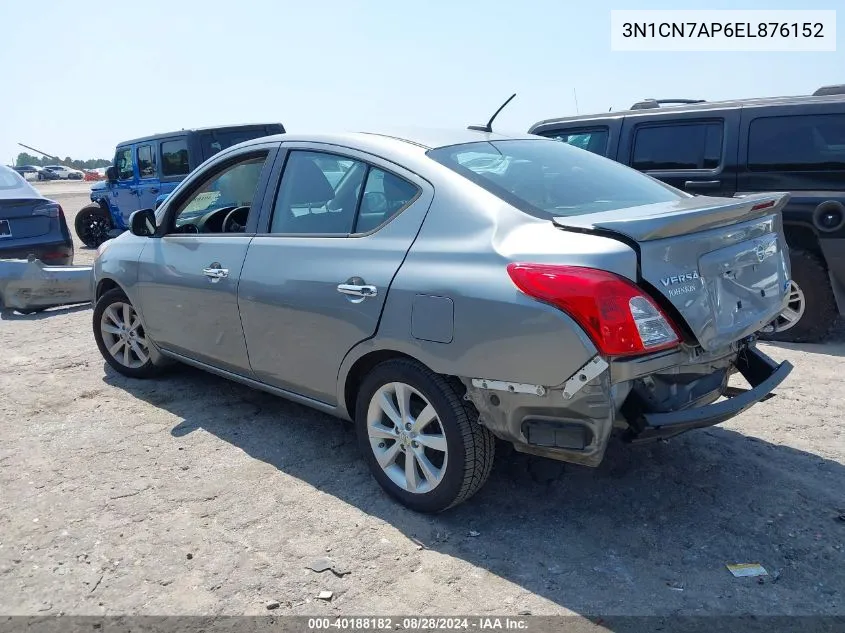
(448,288)
(146,169)
(31,224)
(732,148)
(63,172)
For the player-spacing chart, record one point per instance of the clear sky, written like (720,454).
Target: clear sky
(78,76)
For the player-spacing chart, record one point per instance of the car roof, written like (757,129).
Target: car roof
(696,106)
(421,138)
(193,130)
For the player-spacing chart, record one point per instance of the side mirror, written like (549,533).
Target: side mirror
(143,223)
(111,173)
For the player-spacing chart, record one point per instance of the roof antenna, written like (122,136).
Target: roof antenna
(488,128)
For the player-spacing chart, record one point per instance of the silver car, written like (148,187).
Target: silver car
(442,289)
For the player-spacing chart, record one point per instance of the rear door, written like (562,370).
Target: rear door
(692,151)
(315,281)
(148,186)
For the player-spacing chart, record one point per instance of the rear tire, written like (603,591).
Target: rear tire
(92,225)
(451,453)
(814,301)
(120,336)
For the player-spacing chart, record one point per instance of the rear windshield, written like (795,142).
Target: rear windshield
(552,179)
(9,179)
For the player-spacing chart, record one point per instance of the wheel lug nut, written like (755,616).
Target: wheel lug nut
(408,426)
(381,444)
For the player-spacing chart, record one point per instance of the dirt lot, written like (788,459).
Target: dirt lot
(191,495)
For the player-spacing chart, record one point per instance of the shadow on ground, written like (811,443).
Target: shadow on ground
(10,314)
(648,532)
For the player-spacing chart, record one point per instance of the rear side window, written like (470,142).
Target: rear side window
(385,195)
(797,143)
(174,158)
(146,164)
(549,179)
(678,147)
(594,141)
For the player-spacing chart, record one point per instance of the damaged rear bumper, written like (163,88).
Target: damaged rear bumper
(761,372)
(30,285)
(646,399)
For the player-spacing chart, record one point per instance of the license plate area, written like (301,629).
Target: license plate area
(744,281)
(5,229)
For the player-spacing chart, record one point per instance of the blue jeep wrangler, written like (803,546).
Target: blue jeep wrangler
(146,170)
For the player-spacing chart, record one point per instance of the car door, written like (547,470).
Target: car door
(188,274)
(124,191)
(693,151)
(315,281)
(148,187)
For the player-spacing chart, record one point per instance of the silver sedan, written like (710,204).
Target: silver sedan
(445,288)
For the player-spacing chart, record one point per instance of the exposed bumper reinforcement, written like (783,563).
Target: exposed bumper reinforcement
(761,372)
(30,285)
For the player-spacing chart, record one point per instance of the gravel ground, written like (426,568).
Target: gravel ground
(192,495)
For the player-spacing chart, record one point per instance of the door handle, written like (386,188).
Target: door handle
(215,273)
(703,184)
(357,291)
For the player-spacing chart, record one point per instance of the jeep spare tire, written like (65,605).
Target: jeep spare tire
(811,310)
(92,225)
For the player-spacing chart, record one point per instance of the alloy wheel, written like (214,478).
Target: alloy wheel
(407,438)
(124,336)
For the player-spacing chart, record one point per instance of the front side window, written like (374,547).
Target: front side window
(678,147)
(318,194)
(797,143)
(123,163)
(551,179)
(146,166)
(174,158)
(231,190)
(591,140)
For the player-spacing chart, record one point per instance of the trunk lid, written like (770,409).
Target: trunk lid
(18,219)
(721,263)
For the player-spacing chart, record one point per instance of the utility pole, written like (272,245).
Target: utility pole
(56,158)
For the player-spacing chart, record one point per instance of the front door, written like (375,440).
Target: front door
(314,284)
(148,183)
(188,276)
(124,192)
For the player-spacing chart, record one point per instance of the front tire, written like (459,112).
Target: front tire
(421,440)
(811,311)
(92,225)
(120,336)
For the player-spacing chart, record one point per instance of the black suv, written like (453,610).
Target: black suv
(732,148)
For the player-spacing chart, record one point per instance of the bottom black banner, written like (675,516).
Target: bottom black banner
(433,624)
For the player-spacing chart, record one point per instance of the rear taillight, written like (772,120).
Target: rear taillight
(618,316)
(50,210)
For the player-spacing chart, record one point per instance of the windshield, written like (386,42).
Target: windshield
(553,179)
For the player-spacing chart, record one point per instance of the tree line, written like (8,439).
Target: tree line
(29,159)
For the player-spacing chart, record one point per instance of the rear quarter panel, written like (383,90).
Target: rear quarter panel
(496,332)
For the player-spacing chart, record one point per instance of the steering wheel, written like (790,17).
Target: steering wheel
(232,222)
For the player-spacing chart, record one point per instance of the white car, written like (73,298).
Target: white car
(66,173)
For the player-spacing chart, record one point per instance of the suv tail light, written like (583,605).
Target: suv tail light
(618,316)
